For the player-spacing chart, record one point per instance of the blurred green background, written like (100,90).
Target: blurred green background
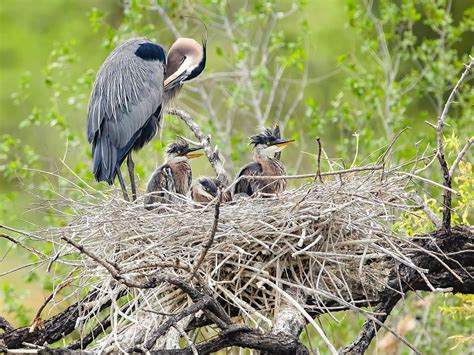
(348,71)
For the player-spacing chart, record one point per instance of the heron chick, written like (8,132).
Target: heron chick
(132,87)
(265,146)
(173,177)
(205,189)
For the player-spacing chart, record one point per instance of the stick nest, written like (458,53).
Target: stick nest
(317,243)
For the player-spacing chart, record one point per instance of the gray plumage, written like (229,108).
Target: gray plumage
(125,108)
(127,102)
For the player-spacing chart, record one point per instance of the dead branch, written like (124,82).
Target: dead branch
(447,176)
(205,140)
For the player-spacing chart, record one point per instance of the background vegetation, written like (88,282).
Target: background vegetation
(353,72)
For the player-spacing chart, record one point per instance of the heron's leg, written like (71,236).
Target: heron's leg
(131,169)
(122,184)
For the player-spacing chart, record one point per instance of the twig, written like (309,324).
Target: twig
(460,156)
(446,188)
(37,322)
(370,327)
(212,155)
(431,215)
(277,134)
(318,172)
(211,236)
(195,307)
(440,151)
(24,246)
(304,176)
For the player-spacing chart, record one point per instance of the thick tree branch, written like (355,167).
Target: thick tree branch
(454,249)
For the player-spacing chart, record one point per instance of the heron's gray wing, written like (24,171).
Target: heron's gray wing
(127,91)
(160,188)
(248,186)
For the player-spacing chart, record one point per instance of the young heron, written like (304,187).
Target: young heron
(266,145)
(205,189)
(173,177)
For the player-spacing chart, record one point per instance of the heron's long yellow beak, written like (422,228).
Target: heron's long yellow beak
(284,144)
(194,155)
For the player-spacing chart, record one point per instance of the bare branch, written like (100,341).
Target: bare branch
(460,156)
(205,140)
(440,150)
(318,172)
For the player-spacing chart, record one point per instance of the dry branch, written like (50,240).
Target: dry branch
(447,173)
(205,140)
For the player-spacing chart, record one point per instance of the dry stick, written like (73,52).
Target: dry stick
(36,322)
(318,175)
(381,159)
(440,152)
(211,236)
(212,155)
(304,176)
(109,267)
(318,172)
(193,309)
(24,246)
(460,156)
(277,134)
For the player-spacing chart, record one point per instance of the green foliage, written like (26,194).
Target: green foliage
(12,304)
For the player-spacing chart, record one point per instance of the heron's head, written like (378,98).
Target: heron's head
(268,144)
(204,189)
(180,151)
(186,60)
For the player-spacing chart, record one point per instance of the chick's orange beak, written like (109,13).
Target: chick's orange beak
(284,142)
(194,155)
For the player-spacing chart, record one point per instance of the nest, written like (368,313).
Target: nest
(320,242)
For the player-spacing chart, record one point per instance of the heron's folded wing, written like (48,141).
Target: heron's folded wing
(248,186)
(127,91)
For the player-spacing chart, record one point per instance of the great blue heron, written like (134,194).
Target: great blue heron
(266,145)
(173,177)
(205,189)
(130,91)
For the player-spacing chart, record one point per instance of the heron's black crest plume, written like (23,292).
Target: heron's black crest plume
(150,51)
(266,137)
(178,147)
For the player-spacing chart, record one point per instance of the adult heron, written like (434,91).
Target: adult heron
(173,177)
(266,146)
(130,91)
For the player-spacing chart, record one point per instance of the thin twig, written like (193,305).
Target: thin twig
(212,234)
(37,322)
(461,154)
